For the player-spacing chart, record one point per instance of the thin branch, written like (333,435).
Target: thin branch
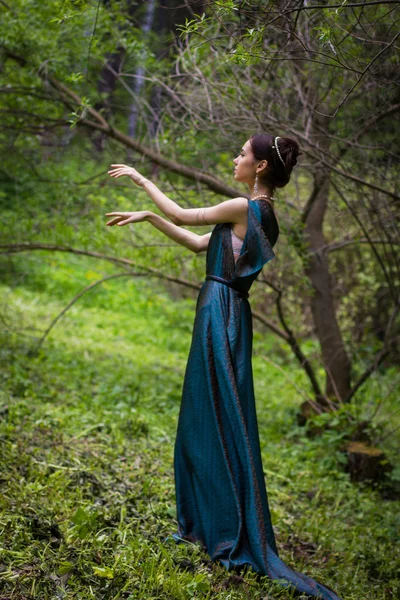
(384,351)
(190,172)
(347,175)
(284,12)
(318,409)
(381,401)
(72,302)
(291,340)
(8,7)
(361,225)
(331,247)
(25,247)
(342,5)
(382,438)
(91,38)
(346,96)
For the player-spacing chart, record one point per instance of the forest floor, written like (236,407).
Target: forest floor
(87,428)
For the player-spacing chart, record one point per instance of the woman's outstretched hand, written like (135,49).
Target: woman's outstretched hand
(120,170)
(123,218)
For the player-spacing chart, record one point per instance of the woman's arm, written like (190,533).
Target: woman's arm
(193,241)
(188,239)
(229,211)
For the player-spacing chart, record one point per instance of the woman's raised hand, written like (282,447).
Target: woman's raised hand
(120,170)
(123,218)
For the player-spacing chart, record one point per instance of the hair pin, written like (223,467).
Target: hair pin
(277,150)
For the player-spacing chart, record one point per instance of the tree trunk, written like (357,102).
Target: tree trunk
(106,88)
(334,356)
(138,80)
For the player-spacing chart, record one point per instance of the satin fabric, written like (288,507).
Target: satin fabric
(220,489)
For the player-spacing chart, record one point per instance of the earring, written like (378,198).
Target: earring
(255,189)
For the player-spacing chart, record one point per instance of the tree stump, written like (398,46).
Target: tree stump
(366,463)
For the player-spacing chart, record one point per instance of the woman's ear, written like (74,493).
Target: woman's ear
(262,165)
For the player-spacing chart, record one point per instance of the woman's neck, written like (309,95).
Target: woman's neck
(262,190)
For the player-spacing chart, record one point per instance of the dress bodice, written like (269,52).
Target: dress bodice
(255,249)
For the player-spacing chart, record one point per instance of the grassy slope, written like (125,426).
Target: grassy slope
(87,430)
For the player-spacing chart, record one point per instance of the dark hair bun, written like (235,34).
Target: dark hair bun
(289,150)
(281,154)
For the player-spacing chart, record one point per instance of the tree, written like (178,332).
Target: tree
(309,71)
(327,76)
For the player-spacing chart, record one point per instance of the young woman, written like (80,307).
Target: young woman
(219,482)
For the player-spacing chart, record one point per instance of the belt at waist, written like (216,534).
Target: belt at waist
(228,283)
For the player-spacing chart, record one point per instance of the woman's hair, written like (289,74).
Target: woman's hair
(277,173)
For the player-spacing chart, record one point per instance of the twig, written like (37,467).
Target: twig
(379,356)
(359,79)
(91,39)
(72,302)
(297,388)
(24,247)
(361,225)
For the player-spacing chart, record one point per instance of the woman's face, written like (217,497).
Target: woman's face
(245,165)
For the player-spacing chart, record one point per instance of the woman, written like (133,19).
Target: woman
(220,489)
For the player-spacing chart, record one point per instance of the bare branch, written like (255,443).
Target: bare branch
(384,351)
(190,172)
(346,96)
(25,247)
(361,225)
(72,302)
(291,340)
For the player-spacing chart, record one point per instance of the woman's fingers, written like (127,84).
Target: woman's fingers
(117,218)
(120,218)
(123,218)
(120,168)
(125,222)
(118,173)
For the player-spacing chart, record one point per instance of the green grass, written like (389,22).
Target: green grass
(87,428)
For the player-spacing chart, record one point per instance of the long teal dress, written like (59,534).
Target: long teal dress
(219,482)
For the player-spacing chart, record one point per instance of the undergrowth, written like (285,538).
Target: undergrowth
(87,427)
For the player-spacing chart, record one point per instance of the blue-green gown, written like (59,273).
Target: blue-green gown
(219,482)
